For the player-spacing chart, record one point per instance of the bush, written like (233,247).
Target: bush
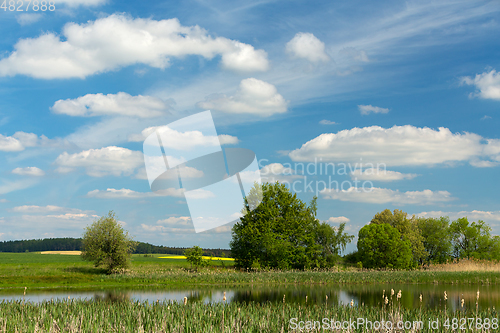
(194,256)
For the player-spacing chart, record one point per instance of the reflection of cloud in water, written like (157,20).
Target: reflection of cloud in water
(346,298)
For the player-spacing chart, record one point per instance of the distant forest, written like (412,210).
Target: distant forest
(75,244)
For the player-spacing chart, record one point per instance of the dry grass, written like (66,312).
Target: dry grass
(466,265)
(70,253)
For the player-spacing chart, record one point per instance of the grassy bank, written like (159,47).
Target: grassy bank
(33,270)
(100,316)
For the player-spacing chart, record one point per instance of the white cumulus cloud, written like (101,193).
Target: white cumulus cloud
(120,104)
(338,219)
(380,174)
(117,41)
(254,97)
(367,109)
(305,45)
(487,85)
(383,195)
(29,171)
(22,140)
(112,160)
(9,143)
(179,221)
(186,140)
(399,146)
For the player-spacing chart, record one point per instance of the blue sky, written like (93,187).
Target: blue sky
(412,86)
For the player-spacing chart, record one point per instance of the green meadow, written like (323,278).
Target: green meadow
(35,270)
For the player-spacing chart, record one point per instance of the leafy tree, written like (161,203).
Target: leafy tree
(381,245)
(194,256)
(107,244)
(333,241)
(408,229)
(281,231)
(472,240)
(437,238)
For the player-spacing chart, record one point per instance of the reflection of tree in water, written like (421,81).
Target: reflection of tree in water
(296,295)
(198,295)
(112,296)
(432,296)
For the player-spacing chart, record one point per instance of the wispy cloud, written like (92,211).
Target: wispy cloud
(367,109)
(327,122)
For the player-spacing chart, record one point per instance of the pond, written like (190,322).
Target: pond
(364,295)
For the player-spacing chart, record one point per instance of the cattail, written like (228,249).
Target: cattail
(399,294)
(445,296)
(383,294)
(25,290)
(224,298)
(420,298)
(185,300)
(327,298)
(386,300)
(306,299)
(283,298)
(392,292)
(352,302)
(477,296)
(462,302)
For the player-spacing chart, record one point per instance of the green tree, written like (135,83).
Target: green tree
(278,230)
(107,244)
(381,245)
(194,256)
(408,229)
(437,238)
(472,240)
(333,241)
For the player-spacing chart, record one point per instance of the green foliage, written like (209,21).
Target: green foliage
(473,240)
(194,256)
(39,245)
(333,241)
(437,238)
(105,243)
(75,244)
(283,232)
(381,245)
(408,229)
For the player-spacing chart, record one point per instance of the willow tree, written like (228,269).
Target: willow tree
(107,245)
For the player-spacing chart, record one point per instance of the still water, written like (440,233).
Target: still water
(366,295)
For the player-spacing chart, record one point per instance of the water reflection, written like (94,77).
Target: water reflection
(360,295)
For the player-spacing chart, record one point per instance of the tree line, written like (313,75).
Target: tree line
(278,230)
(75,244)
(396,240)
